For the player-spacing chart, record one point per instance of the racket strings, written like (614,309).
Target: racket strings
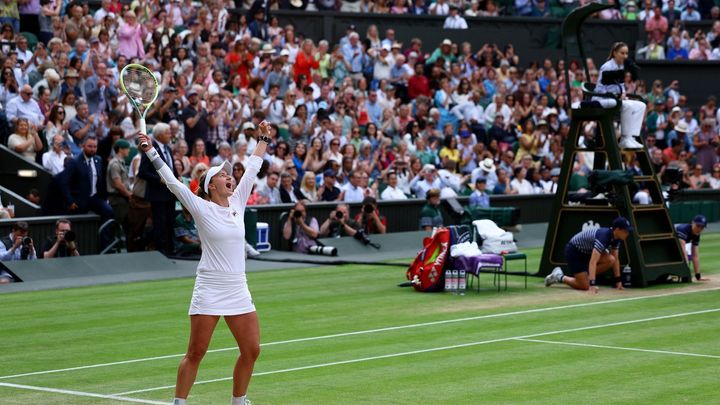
(140,85)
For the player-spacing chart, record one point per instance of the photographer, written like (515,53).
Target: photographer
(300,230)
(18,245)
(370,219)
(339,223)
(63,244)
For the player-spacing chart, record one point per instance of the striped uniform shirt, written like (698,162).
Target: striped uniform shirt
(600,239)
(684,232)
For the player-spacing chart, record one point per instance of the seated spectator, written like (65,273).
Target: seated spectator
(702,51)
(328,191)
(270,190)
(392,191)
(454,21)
(520,183)
(25,106)
(307,187)
(677,51)
(503,185)
(288,192)
(480,198)
(431,215)
(714,179)
(54,159)
(187,238)
(339,223)
(690,13)
(18,245)
(370,219)
(353,190)
(62,244)
(299,229)
(25,140)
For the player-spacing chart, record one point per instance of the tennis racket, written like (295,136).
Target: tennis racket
(141,87)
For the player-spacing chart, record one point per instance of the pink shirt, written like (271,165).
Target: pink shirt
(130,41)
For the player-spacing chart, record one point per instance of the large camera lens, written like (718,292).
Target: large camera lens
(70,236)
(26,241)
(297,214)
(339,214)
(368,208)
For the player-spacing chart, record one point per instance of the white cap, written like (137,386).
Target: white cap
(215,170)
(248,125)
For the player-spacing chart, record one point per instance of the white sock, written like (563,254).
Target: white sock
(179,401)
(238,400)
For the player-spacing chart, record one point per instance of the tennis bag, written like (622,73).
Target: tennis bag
(426,272)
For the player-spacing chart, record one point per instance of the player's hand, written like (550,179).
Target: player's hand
(264,128)
(593,290)
(144,143)
(619,286)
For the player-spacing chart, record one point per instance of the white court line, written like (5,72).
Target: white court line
(632,349)
(369,331)
(436,349)
(80,393)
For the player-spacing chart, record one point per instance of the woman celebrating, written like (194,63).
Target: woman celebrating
(221,284)
(25,140)
(612,81)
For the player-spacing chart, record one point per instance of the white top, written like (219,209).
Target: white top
(353,194)
(392,193)
(54,162)
(221,229)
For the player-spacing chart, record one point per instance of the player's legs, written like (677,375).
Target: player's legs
(246,330)
(201,330)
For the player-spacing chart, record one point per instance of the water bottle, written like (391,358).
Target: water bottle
(627,276)
(455,281)
(448,280)
(461,282)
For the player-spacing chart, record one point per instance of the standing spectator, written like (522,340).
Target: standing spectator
(130,37)
(305,61)
(83,184)
(118,183)
(54,159)
(657,25)
(83,125)
(195,118)
(162,201)
(99,90)
(25,140)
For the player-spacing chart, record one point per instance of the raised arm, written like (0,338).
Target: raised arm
(243,190)
(192,202)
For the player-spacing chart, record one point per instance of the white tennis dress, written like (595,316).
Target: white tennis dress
(221,284)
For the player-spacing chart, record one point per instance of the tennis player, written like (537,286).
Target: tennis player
(221,285)
(592,252)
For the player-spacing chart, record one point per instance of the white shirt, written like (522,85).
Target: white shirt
(54,162)
(392,193)
(523,187)
(17,108)
(222,229)
(353,194)
(455,23)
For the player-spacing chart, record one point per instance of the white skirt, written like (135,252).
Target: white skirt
(218,293)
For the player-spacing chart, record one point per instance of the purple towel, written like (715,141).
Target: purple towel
(473,264)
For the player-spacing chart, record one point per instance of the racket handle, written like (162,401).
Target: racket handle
(143,130)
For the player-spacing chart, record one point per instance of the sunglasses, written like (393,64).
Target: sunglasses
(291,167)
(334,144)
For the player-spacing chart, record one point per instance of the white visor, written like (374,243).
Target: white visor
(215,170)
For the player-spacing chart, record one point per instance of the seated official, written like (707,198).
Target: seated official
(592,252)
(63,243)
(369,217)
(300,230)
(690,233)
(431,215)
(339,223)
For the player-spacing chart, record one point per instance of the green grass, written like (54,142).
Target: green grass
(84,326)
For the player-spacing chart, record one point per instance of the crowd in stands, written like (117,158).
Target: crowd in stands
(372,115)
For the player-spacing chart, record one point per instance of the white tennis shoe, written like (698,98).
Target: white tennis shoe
(554,277)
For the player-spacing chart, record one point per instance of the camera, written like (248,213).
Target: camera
(322,250)
(26,241)
(339,214)
(25,249)
(368,209)
(70,236)
(362,237)
(297,214)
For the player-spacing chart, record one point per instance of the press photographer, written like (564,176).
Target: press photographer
(63,244)
(18,245)
(339,223)
(370,219)
(300,230)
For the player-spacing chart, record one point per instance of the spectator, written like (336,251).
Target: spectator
(657,25)
(25,140)
(705,143)
(299,229)
(714,179)
(270,189)
(353,190)
(288,192)
(520,183)
(454,21)
(16,246)
(162,201)
(702,52)
(83,125)
(430,215)
(677,52)
(307,187)
(329,191)
(24,106)
(690,13)
(130,37)
(62,244)
(187,238)
(392,191)
(369,218)
(54,159)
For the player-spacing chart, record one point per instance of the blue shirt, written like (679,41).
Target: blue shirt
(356,63)
(600,239)
(684,232)
(674,53)
(374,112)
(478,199)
